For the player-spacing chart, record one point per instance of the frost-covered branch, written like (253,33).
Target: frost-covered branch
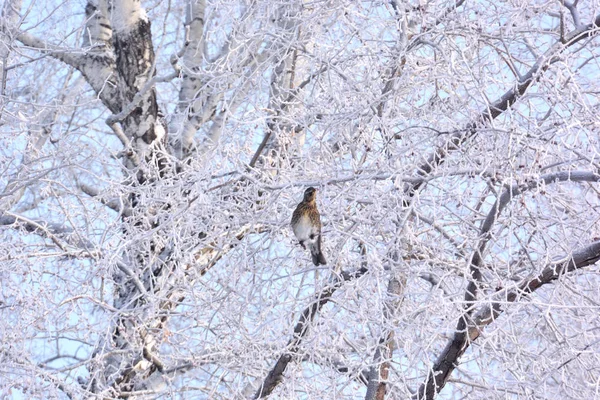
(496,210)
(446,362)
(487,314)
(380,371)
(63,237)
(496,108)
(72,57)
(301,329)
(117,205)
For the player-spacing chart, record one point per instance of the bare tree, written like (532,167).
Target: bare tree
(152,154)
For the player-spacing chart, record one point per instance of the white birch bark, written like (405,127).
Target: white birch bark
(195,107)
(10,19)
(293,67)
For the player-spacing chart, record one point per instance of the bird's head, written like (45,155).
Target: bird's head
(310,194)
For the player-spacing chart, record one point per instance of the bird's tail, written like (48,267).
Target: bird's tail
(318,259)
(317,255)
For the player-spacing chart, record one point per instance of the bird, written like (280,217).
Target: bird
(306,224)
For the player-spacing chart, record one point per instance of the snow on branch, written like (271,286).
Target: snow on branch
(447,361)
(493,110)
(71,57)
(301,329)
(127,14)
(64,238)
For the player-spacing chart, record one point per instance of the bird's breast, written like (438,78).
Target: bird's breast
(303,228)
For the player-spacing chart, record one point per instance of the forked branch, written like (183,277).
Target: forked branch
(301,329)
(463,335)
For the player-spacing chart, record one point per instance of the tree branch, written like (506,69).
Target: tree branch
(117,204)
(136,281)
(447,361)
(139,96)
(487,314)
(500,204)
(69,56)
(97,68)
(379,372)
(496,108)
(48,230)
(301,329)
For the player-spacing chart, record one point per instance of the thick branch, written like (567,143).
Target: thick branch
(98,69)
(487,314)
(117,205)
(10,22)
(62,236)
(510,192)
(496,108)
(301,329)
(68,56)
(379,373)
(447,361)
(190,97)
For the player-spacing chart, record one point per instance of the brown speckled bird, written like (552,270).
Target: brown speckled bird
(306,224)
